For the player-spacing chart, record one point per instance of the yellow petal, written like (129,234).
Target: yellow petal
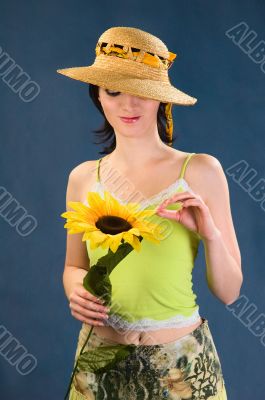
(135,231)
(136,243)
(88,234)
(115,242)
(94,200)
(132,240)
(97,237)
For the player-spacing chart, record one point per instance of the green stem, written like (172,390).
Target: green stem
(81,351)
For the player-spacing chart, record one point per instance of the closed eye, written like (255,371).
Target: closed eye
(112,92)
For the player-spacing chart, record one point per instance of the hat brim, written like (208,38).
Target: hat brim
(152,89)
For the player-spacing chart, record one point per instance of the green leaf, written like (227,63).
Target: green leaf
(97,279)
(97,282)
(103,358)
(111,260)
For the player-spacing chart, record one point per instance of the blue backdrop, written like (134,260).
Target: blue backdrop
(46,130)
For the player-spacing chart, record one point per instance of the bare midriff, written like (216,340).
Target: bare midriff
(158,336)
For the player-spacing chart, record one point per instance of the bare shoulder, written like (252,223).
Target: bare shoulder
(79,179)
(205,163)
(82,170)
(205,175)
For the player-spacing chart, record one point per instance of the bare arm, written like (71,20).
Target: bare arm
(224,274)
(84,306)
(222,254)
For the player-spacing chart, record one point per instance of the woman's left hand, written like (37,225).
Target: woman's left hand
(194,214)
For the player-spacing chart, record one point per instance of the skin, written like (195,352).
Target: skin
(206,212)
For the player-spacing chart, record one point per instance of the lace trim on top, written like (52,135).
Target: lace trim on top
(156,199)
(147,324)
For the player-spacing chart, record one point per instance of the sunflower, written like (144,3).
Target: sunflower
(107,223)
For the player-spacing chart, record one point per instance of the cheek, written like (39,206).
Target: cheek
(151,108)
(151,112)
(108,108)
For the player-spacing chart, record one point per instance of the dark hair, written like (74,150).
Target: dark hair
(106,132)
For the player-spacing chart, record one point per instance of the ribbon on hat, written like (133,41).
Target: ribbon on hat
(169,122)
(136,55)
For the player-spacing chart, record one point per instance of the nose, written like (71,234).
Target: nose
(129,102)
(130,99)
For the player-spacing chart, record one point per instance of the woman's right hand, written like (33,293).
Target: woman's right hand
(86,307)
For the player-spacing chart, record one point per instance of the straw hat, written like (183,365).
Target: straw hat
(136,62)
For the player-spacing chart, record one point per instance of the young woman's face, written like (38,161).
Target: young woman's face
(118,104)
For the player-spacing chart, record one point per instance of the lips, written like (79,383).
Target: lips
(135,116)
(130,119)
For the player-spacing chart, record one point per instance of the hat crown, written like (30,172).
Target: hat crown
(134,37)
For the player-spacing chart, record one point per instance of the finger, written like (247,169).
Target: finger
(177,207)
(176,196)
(88,321)
(193,203)
(87,304)
(173,214)
(87,295)
(86,312)
(182,202)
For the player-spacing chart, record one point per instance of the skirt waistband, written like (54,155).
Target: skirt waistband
(96,338)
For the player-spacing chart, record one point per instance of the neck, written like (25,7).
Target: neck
(131,152)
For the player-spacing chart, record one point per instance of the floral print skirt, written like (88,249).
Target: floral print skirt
(187,368)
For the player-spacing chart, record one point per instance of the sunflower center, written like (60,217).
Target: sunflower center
(112,224)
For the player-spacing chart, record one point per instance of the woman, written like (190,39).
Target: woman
(155,307)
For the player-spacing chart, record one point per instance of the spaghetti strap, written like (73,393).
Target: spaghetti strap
(98,163)
(184,165)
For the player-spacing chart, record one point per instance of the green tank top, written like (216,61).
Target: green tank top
(152,289)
